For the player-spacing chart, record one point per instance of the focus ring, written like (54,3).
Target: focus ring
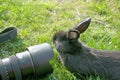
(3,71)
(16,67)
(6,72)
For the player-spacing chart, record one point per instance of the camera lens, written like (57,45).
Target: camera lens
(33,61)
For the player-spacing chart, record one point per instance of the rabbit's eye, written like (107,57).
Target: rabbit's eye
(62,39)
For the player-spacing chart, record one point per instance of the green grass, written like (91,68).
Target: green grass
(37,21)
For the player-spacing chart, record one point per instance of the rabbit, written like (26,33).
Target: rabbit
(82,60)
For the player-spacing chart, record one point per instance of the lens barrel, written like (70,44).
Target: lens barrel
(33,61)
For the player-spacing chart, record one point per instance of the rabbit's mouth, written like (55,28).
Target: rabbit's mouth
(61,50)
(65,52)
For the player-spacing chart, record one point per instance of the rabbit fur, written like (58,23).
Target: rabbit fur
(82,60)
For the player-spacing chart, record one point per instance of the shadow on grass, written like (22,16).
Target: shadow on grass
(11,47)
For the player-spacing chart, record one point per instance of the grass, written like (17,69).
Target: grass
(38,20)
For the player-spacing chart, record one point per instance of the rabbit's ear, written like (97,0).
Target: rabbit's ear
(73,34)
(83,25)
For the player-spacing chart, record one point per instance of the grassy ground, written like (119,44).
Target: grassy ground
(38,20)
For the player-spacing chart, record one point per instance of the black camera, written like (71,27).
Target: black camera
(33,61)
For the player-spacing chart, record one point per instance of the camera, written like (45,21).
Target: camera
(33,61)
